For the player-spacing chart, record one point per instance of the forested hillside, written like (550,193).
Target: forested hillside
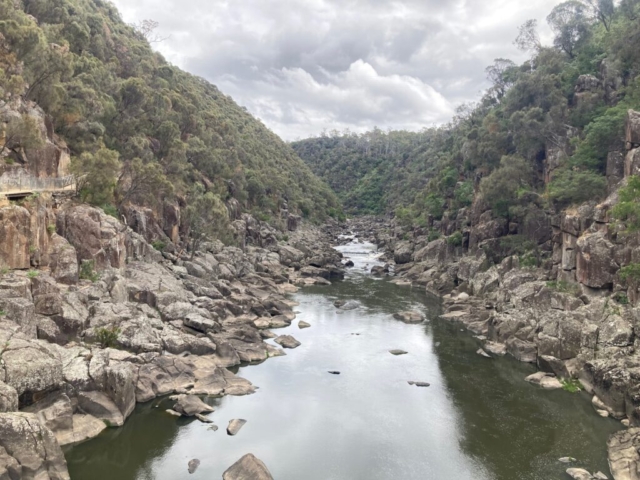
(545,128)
(141,130)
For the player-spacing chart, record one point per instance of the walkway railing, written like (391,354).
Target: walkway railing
(16,184)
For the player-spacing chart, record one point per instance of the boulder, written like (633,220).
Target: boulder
(190,405)
(120,387)
(302,324)
(8,398)
(163,375)
(579,474)
(193,465)
(247,468)
(63,260)
(235,426)
(287,341)
(102,407)
(30,450)
(403,252)
(398,352)
(595,265)
(544,380)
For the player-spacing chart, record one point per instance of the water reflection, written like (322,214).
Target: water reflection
(478,421)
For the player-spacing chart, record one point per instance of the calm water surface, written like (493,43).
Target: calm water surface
(478,421)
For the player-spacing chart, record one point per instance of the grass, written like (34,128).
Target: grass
(159,245)
(107,337)
(51,229)
(32,273)
(2,313)
(571,385)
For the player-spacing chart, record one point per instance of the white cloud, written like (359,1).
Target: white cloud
(305,65)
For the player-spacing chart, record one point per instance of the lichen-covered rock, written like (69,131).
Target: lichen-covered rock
(34,448)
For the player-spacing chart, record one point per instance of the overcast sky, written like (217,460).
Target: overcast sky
(302,66)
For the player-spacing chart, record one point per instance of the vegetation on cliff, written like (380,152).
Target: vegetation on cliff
(545,128)
(142,130)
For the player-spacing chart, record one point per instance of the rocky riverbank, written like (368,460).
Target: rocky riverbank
(103,321)
(573,331)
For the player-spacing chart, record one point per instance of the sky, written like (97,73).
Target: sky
(304,66)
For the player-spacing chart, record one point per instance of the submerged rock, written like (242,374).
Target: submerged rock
(482,353)
(302,324)
(409,317)
(334,372)
(247,468)
(419,384)
(579,474)
(235,426)
(548,381)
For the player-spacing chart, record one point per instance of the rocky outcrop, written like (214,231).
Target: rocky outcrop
(28,450)
(14,237)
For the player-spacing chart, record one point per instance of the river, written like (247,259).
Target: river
(478,420)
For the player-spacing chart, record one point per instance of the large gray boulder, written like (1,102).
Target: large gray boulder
(190,405)
(595,265)
(403,252)
(247,468)
(28,450)
(8,398)
(624,456)
(63,260)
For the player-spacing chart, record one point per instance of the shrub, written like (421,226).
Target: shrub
(433,235)
(404,217)
(32,273)
(110,210)
(2,313)
(628,210)
(565,287)
(576,186)
(455,239)
(51,229)
(159,245)
(630,273)
(87,271)
(107,337)
(621,298)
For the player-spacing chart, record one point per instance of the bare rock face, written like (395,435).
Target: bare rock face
(595,264)
(8,399)
(29,449)
(403,252)
(14,238)
(247,468)
(633,129)
(63,260)
(624,458)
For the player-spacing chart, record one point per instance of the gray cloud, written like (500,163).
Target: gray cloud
(305,65)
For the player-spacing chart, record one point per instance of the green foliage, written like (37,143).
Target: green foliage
(2,313)
(565,287)
(404,216)
(159,245)
(628,209)
(571,385)
(500,189)
(22,132)
(621,298)
(110,210)
(433,235)
(207,218)
(570,186)
(630,273)
(51,229)
(32,274)
(87,271)
(434,205)
(107,337)
(455,239)
(463,194)
(139,128)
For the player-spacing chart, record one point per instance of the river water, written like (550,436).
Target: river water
(478,420)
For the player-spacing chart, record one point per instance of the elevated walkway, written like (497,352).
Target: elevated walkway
(20,186)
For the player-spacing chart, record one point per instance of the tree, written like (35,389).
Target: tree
(628,210)
(603,11)
(630,8)
(528,39)
(142,183)
(502,74)
(21,132)
(569,22)
(500,189)
(207,218)
(96,175)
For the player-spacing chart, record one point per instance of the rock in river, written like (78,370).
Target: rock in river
(247,468)
(334,372)
(579,474)
(193,465)
(302,324)
(190,405)
(397,352)
(287,341)
(419,384)
(235,426)
(409,317)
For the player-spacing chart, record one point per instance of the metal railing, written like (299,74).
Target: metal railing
(14,184)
